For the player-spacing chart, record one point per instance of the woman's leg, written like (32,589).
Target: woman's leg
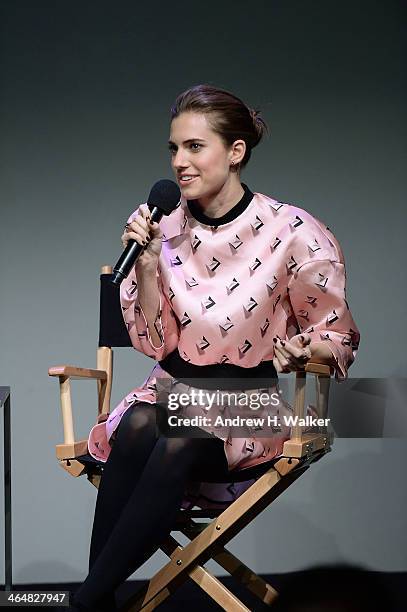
(151,509)
(136,436)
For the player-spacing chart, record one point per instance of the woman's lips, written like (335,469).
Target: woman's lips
(188,182)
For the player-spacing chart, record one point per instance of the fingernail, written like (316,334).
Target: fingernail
(282,342)
(274,340)
(302,338)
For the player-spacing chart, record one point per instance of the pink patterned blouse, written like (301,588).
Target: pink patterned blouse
(227,287)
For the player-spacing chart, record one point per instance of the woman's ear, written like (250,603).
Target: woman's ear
(237,152)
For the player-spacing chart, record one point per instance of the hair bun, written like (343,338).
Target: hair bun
(259,125)
(253,113)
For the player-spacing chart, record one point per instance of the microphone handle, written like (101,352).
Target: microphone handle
(131,253)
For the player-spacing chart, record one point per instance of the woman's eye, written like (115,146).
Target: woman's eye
(194,146)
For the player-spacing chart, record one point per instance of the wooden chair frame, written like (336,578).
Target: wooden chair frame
(207,540)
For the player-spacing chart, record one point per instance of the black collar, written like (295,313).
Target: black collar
(234,212)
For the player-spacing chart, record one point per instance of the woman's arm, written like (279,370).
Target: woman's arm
(317,294)
(148,315)
(149,300)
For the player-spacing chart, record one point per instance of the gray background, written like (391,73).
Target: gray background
(86,91)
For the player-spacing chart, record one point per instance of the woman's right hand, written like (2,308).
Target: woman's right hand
(146,233)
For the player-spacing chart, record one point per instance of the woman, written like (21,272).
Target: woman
(232,285)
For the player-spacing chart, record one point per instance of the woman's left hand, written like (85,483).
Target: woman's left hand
(291,354)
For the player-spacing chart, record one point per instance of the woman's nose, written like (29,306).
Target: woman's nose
(179,160)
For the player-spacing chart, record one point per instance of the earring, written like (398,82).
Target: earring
(233,163)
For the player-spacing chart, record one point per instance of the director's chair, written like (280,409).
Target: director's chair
(207,539)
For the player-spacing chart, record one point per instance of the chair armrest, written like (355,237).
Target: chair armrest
(319,368)
(302,443)
(65,373)
(75,372)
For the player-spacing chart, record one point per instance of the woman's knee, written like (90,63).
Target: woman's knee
(139,421)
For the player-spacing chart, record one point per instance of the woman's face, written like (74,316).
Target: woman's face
(199,158)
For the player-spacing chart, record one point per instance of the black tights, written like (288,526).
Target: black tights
(139,496)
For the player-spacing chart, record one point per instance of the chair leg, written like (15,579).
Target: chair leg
(204,579)
(243,574)
(200,575)
(216,590)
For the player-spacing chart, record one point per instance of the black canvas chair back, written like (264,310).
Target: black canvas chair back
(112,328)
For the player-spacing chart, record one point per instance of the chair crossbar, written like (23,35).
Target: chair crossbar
(244,575)
(236,568)
(205,580)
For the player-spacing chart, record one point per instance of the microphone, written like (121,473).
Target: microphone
(163,199)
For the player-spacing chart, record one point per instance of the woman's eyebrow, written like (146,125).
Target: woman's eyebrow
(188,141)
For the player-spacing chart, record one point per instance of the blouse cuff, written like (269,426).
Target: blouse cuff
(342,355)
(158,324)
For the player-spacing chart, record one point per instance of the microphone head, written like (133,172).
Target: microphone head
(165,195)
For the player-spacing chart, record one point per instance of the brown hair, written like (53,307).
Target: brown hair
(229,117)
